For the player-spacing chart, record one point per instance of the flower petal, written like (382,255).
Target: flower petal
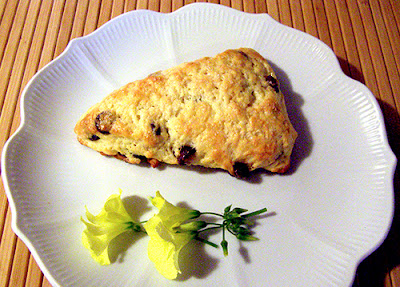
(98,247)
(101,229)
(165,243)
(171,214)
(164,247)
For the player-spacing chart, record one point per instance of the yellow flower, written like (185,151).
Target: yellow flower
(165,242)
(112,220)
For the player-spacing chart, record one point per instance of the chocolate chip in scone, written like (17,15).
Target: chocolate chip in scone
(121,157)
(241,170)
(141,157)
(244,54)
(272,82)
(94,138)
(185,153)
(104,122)
(156,129)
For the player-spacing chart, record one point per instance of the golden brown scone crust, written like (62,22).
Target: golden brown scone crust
(222,112)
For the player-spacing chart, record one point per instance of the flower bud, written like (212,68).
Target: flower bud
(193,226)
(224,245)
(194,214)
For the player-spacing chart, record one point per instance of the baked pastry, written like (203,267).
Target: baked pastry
(223,112)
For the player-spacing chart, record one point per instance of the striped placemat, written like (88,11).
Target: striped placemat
(364,35)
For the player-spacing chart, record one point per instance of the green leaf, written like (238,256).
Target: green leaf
(246,237)
(227,209)
(243,231)
(239,210)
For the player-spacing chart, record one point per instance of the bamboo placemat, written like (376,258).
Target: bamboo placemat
(364,35)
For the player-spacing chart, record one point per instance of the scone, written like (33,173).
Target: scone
(223,112)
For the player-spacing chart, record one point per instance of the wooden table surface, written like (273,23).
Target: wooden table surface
(363,34)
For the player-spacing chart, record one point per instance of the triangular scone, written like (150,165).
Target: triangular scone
(222,112)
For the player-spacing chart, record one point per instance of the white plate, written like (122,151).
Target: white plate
(330,211)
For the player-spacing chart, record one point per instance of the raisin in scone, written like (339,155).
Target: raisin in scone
(223,112)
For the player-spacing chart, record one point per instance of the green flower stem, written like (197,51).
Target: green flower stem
(230,231)
(215,224)
(257,212)
(206,241)
(210,228)
(212,213)
(234,222)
